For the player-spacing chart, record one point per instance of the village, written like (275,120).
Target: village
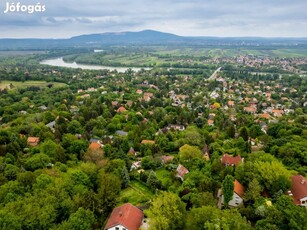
(219,141)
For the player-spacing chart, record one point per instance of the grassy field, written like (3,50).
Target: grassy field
(165,177)
(136,193)
(25,84)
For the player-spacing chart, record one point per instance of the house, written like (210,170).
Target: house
(177,127)
(125,217)
(146,98)
(265,116)
(121,110)
(33,141)
(114,103)
(238,193)
(181,171)
(43,107)
(167,159)
(94,146)
(139,91)
(231,103)
(250,109)
(148,142)
(132,152)
(210,122)
(129,103)
(206,153)
(121,133)
(277,112)
(299,190)
(135,165)
(230,160)
(51,125)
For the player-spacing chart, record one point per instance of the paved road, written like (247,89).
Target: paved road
(214,75)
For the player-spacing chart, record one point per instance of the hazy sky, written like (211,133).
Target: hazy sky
(66,18)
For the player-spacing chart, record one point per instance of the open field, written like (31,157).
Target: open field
(25,84)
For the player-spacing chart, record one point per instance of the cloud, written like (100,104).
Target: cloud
(183,17)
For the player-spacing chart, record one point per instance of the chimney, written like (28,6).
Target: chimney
(303,181)
(120,213)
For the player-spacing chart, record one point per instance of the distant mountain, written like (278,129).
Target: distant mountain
(142,37)
(146,37)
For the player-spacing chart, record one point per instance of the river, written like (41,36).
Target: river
(61,63)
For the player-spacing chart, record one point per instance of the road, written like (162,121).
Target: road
(214,75)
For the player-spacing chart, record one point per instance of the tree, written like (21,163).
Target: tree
(125,177)
(109,186)
(188,153)
(11,171)
(208,217)
(244,133)
(152,181)
(166,212)
(273,175)
(37,161)
(53,150)
(9,221)
(227,188)
(193,137)
(231,131)
(253,192)
(80,220)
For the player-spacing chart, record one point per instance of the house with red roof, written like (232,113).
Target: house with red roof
(250,109)
(121,109)
(211,122)
(228,160)
(238,193)
(33,141)
(148,142)
(181,171)
(299,190)
(231,103)
(125,217)
(94,146)
(167,159)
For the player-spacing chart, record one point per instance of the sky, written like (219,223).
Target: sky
(222,18)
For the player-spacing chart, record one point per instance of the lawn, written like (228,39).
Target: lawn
(136,193)
(165,177)
(19,84)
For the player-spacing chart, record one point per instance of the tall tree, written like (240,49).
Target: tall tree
(166,212)
(253,191)
(244,133)
(227,188)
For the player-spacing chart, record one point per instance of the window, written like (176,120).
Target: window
(116,228)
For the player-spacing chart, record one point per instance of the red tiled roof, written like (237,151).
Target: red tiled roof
(121,109)
(148,142)
(126,215)
(33,141)
(230,160)
(181,171)
(231,103)
(94,146)
(238,188)
(298,188)
(210,122)
(166,159)
(265,115)
(250,109)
